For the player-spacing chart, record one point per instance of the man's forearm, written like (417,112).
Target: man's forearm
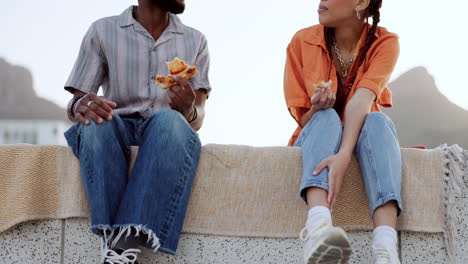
(200,97)
(77,94)
(198,122)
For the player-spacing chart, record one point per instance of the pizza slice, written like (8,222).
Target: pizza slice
(165,81)
(322,85)
(176,67)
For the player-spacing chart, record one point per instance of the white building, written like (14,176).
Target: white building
(41,132)
(24,116)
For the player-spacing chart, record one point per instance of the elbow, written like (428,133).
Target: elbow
(359,106)
(197,126)
(362,101)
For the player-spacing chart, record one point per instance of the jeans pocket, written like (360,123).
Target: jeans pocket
(72,135)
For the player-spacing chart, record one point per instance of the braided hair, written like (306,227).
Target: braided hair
(373,10)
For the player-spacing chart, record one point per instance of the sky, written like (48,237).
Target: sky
(247,104)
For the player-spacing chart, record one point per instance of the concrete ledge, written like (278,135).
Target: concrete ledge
(32,242)
(69,241)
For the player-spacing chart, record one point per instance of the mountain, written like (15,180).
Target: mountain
(18,100)
(423,115)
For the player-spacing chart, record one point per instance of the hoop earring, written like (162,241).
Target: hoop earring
(358,15)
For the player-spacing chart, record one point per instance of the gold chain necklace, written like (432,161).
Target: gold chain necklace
(344,66)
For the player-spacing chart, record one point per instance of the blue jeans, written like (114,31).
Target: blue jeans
(153,201)
(377,151)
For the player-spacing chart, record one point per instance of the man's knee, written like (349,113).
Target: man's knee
(168,120)
(100,129)
(167,116)
(169,125)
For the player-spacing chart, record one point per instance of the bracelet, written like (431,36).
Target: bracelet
(72,105)
(195,114)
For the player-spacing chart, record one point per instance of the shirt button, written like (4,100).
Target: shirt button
(152,105)
(153,77)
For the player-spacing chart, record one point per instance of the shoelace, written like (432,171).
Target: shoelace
(129,256)
(318,229)
(382,256)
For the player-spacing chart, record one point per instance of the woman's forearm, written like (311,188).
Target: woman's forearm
(308,115)
(355,114)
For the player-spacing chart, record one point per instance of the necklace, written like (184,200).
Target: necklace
(344,66)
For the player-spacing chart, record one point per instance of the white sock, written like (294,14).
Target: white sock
(317,214)
(385,237)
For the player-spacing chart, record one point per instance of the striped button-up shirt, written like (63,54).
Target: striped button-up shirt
(120,55)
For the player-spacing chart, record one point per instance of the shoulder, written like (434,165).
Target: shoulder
(190,32)
(106,21)
(386,43)
(384,50)
(98,26)
(313,34)
(385,36)
(384,32)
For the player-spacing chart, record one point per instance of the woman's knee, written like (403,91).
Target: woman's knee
(329,114)
(379,125)
(326,116)
(378,119)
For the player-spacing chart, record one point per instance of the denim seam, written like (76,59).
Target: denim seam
(338,140)
(370,159)
(381,201)
(88,170)
(314,184)
(175,199)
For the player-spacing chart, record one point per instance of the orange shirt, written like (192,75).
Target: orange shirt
(308,63)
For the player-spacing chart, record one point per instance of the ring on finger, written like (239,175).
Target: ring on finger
(90,103)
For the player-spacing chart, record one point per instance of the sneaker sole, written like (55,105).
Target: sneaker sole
(335,249)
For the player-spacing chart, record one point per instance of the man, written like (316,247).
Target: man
(123,54)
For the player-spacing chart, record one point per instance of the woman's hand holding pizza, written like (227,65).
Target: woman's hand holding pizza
(323,97)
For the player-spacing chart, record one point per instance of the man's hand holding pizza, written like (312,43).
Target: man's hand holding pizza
(182,98)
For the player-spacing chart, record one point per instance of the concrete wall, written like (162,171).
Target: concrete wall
(68,241)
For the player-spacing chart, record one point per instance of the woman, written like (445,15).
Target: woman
(344,118)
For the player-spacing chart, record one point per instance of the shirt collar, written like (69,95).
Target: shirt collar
(319,38)
(126,19)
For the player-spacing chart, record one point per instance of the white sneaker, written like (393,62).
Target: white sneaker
(120,256)
(325,244)
(384,256)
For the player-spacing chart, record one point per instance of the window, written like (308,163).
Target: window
(25,137)
(34,137)
(6,137)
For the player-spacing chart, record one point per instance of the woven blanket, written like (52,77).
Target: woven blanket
(238,190)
